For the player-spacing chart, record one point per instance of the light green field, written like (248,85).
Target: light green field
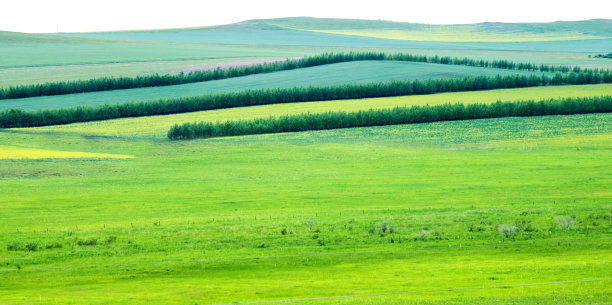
(174,224)
(158,126)
(16,153)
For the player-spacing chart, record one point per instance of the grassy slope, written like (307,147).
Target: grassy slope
(334,74)
(330,190)
(158,126)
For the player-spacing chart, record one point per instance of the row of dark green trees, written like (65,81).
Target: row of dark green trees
(19,118)
(156,80)
(399,115)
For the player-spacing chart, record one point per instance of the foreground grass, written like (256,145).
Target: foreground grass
(157,126)
(439,184)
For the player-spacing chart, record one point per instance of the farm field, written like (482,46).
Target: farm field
(452,185)
(512,210)
(158,126)
(332,74)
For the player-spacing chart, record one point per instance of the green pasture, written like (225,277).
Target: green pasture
(174,224)
(158,126)
(326,75)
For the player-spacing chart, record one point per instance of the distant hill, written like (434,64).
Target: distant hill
(481,32)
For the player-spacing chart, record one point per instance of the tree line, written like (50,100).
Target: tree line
(156,80)
(398,115)
(20,118)
(609,55)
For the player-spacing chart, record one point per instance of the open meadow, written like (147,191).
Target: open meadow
(504,210)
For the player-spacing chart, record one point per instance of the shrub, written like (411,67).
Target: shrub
(382,228)
(14,246)
(110,239)
(423,234)
(88,242)
(508,230)
(31,246)
(55,245)
(565,222)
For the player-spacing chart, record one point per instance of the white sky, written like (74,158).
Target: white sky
(39,16)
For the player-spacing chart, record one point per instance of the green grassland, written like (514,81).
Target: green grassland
(203,206)
(157,126)
(491,211)
(333,74)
